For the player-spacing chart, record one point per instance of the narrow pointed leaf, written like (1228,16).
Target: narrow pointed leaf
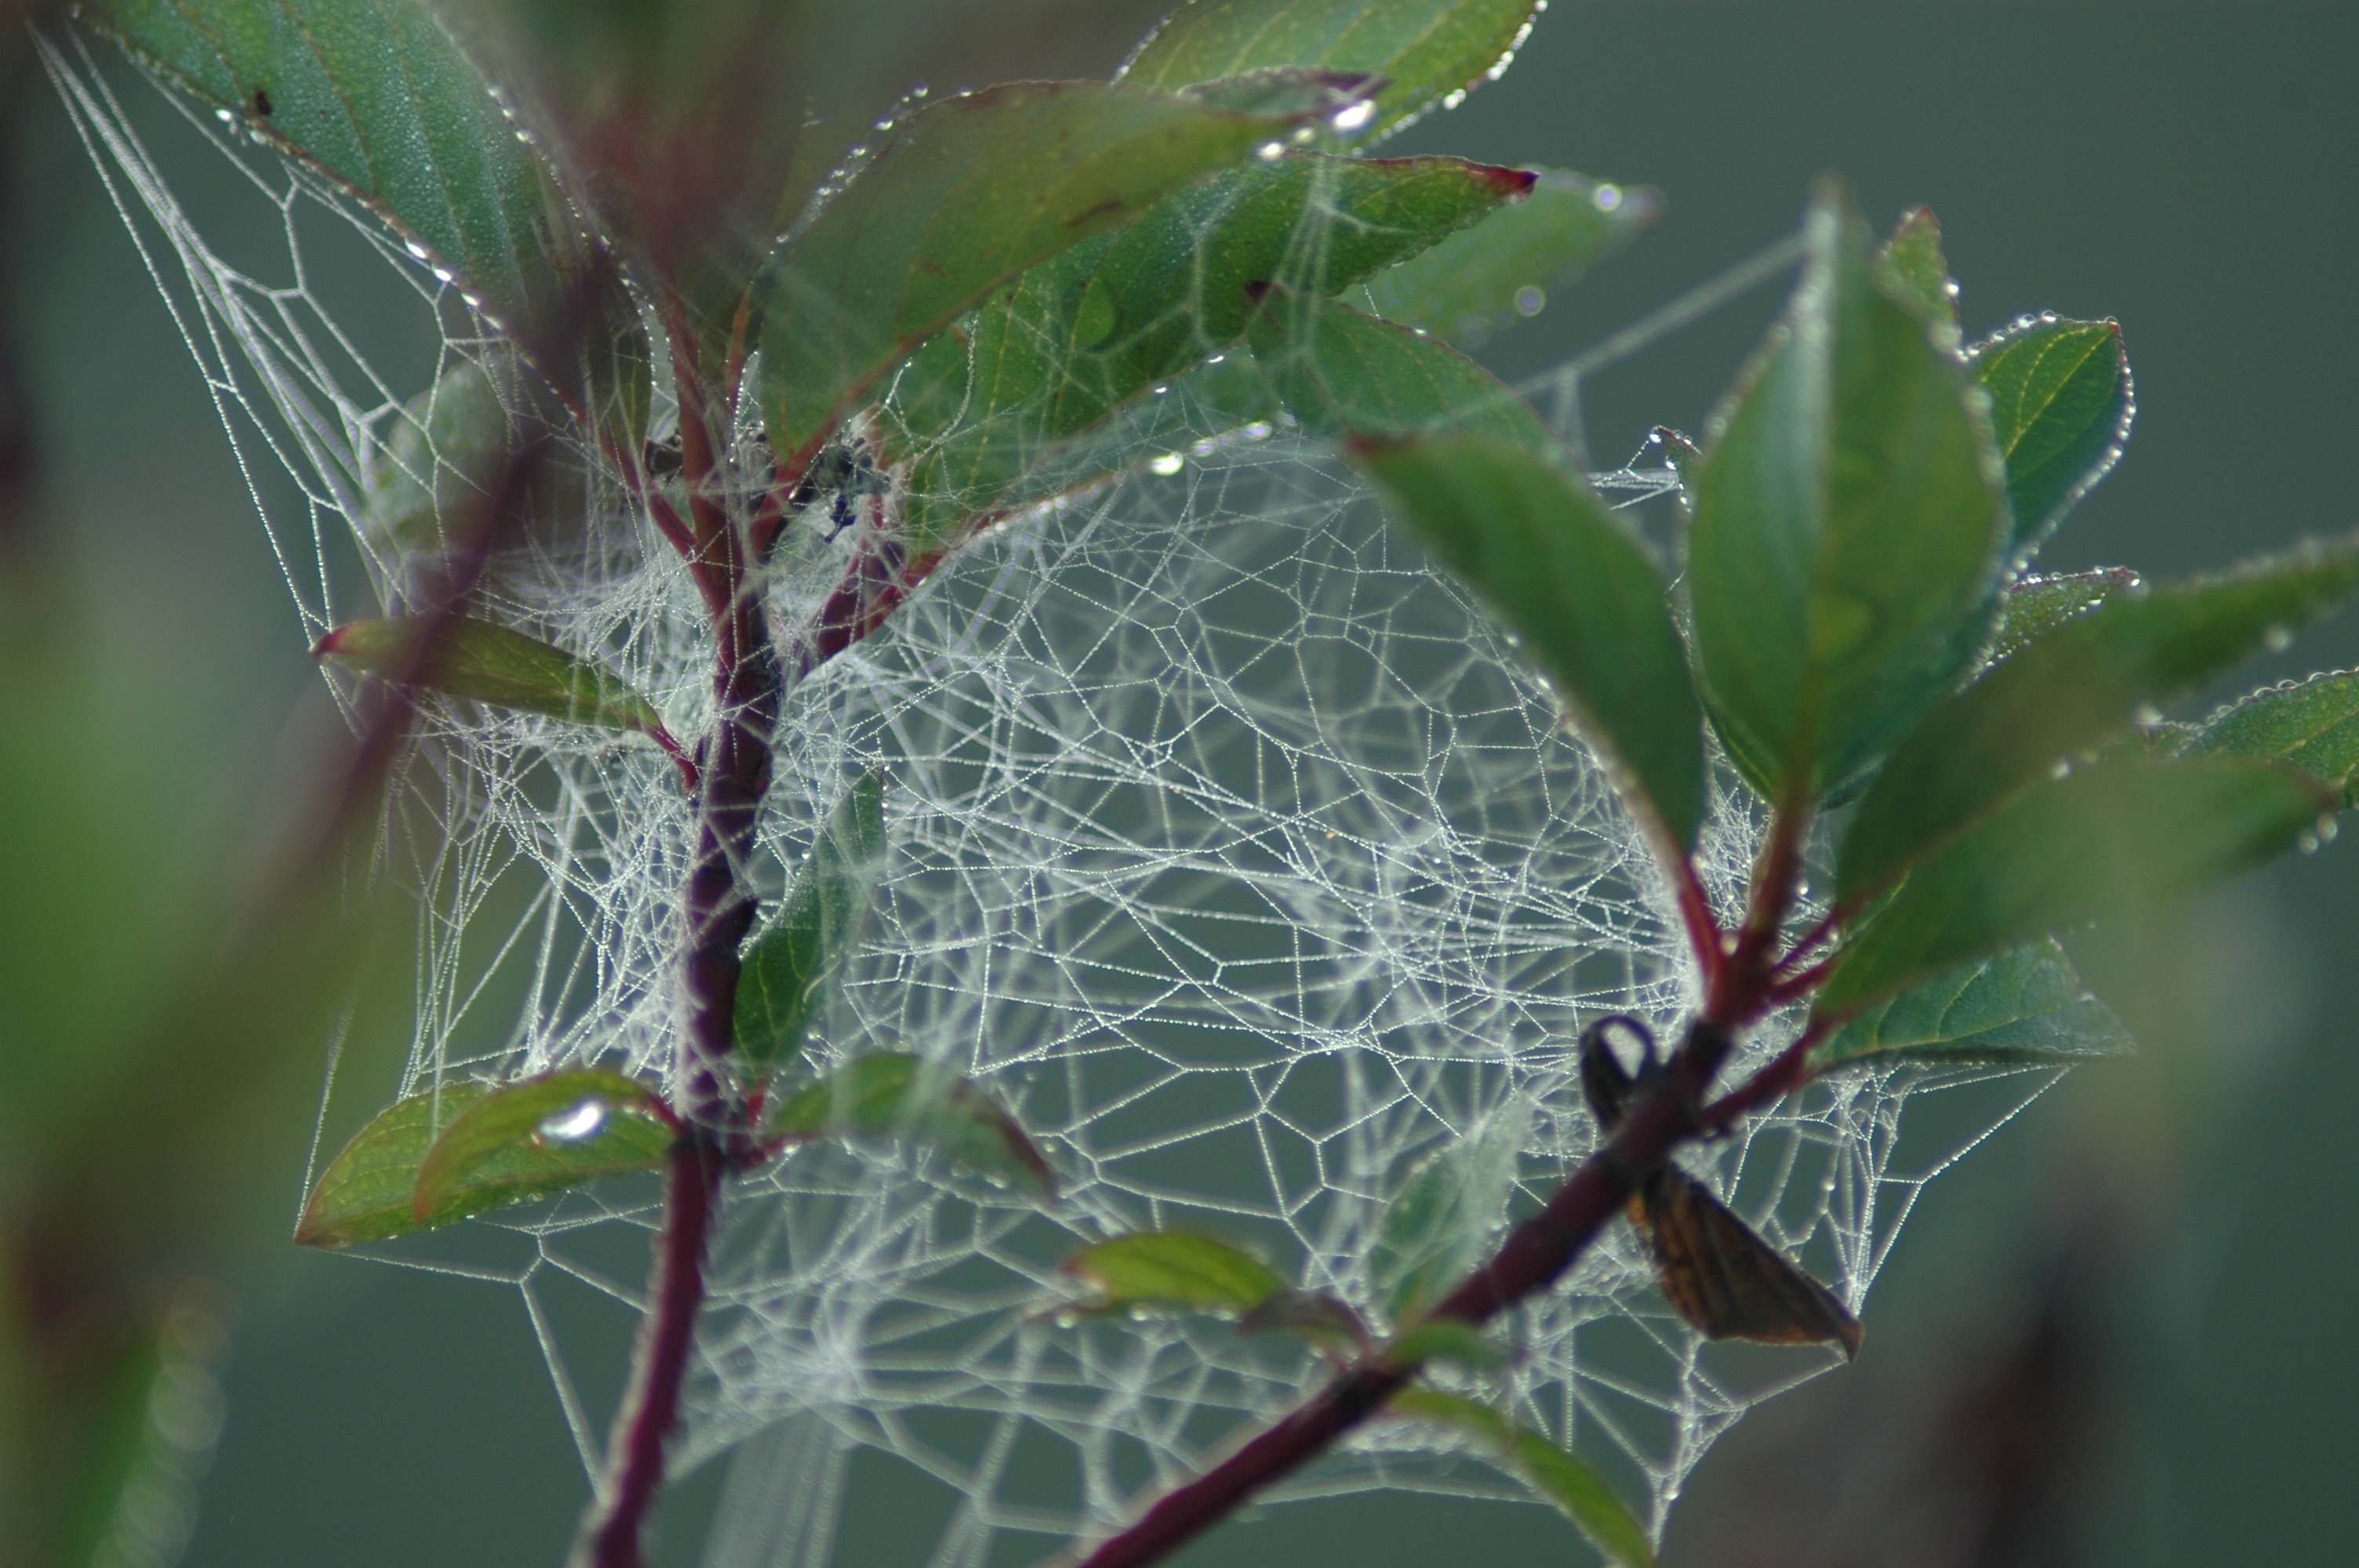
(1095,330)
(2312,725)
(2032,606)
(1561,570)
(2023,1005)
(1565,1479)
(1172,1271)
(1315,1317)
(1502,268)
(2076,689)
(1449,1341)
(789,963)
(1424,50)
(1849,518)
(969,192)
(1344,373)
(541,1136)
(2061,407)
(506,669)
(895,1095)
(363,1195)
(1439,1225)
(2121,832)
(1913,257)
(378,97)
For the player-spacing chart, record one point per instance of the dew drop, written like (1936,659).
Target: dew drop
(2061,768)
(1270,152)
(1216,359)
(572,1126)
(1529,299)
(2146,716)
(1608,197)
(1353,116)
(2327,829)
(2307,843)
(2277,639)
(1258,430)
(1168,464)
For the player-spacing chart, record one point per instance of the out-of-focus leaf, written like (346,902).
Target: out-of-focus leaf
(1447,1340)
(788,963)
(1315,1317)
(2126,831)
(507,669)
(2077,688)
(1913,257)
(380,100)
(1172,1271)
(1568,1483)
(618,363)
(1477,280)
(540,1136)
(1346,373)
(1849,520)
(2312,724)
(2023,1005)
(2032,606)
(1425,50)
(1083,335)
(2061,405)
(896,1095)
(1548,556)
(1439,1225)
(965,195)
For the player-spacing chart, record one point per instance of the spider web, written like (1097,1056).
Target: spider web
(1233,849)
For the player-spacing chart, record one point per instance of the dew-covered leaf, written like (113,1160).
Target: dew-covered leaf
(1502,268)
(1425,50)
(965,195)
(537,1137)
(1848,522)
(1346,373)
(905,1097)
(1564,1479)
(2312,725)
(2126,831)
(1320,1320)
(1437,1224)
(1101,326)
(2061,407)
(788,963)
(1449,1341)
(1562,572)
(506,669)
(1914,258)
(2032,606)
(2079,687)
(1172,1271)
(380,100)
(2023,1005)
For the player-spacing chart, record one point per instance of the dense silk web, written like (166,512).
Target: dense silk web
(1232,848)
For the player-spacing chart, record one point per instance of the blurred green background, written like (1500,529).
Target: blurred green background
(2118,1332)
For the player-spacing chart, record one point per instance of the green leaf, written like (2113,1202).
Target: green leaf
(1439,1225)
(378,97)
(1083,335)
(449,449)
(789,964)
(540,1136)
(2312,725)
(618,364)
(2061,407)
(969,192)
(2023,1005)
(1344,373)
(1315,1317)
(506,669)
(2126,831)
(2078,688)
(1562,571)
(1449,1341)
(1914,259)
(2031,607)
(896,1095)
(1848,525)
(1425,50)
(1567,1481)
(1489,274)
(1172,1271)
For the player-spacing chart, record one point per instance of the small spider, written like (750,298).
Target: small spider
(847,472)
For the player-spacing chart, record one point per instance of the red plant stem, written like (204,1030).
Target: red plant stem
(1534,1257)
(660,1362)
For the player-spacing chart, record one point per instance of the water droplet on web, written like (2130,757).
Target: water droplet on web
(2277,639)
(1257,431)
(2061,768)
(1529,299)
(1607,197)
(1353,116)
(2307,844)
(2326,829)
(1168,464)
(2146,716)
(1270,152)
(1216,359)
(572,1126)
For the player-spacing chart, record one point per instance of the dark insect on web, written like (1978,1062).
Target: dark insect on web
(847,472)
(1722,1277)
